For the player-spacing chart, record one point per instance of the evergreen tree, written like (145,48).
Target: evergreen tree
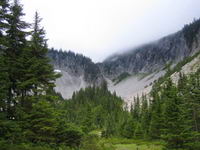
(145,117)
(136,116)
(190,93)
(16,42)
(4,82)
(69,134)
(135,110)
(42,123)
(157,118)
(127,127)
(172,112)
(40,74)
(109,127)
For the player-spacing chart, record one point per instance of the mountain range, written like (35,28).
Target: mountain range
(131,73)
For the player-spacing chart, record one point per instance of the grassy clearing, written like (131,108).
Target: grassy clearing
(136,147)
(131,144)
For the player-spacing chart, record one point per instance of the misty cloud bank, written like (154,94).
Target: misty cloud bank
(99,28)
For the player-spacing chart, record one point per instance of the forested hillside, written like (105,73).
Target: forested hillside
(34,117)
(139,66)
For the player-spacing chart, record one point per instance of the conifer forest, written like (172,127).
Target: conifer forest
(33,116)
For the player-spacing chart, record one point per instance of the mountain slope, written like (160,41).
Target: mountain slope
(152,60)
(77,72)
(154,56)
(149,60)
(188,66)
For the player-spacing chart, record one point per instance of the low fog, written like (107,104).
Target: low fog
(99,28)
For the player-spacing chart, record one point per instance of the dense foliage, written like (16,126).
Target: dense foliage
(178,122)
(28,105)
(34,117)
(170,114)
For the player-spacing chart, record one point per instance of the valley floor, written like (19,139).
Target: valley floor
(137,147)
(130,144)
(102,144)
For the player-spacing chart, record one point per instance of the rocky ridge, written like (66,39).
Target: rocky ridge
(151,59)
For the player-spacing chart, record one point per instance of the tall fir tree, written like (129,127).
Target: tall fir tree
(4,8)
(172,113)
(16,42)
(43,123)
(145,116)
(12,41)
(41,75)
(156,113)
(190,110)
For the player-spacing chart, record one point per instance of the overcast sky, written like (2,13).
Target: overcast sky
(99,28)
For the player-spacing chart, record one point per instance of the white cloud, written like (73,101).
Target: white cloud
(98,28)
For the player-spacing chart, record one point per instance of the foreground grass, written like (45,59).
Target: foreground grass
(136,147)
(93,143)
(131,144)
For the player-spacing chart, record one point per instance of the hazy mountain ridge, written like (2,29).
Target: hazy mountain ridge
(79,71)
(154,56)
(76,65)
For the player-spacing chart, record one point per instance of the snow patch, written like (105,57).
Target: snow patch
(57,71)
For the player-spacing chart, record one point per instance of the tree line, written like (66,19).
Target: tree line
(171,114)
(28,104)
(34,116)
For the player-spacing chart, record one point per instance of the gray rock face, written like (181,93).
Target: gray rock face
(79,71)
(151,57)
(76,65)
(68,84)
